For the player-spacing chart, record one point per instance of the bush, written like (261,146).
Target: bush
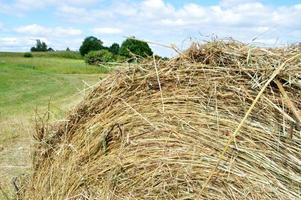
(90,44)
(97,57)
(131,47)
(28,55)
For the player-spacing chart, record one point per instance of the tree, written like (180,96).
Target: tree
(114,49)
(131,47)
(90,44)
(44,47)
(68,49)
(40,46)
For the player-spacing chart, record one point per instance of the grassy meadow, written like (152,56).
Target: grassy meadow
(30,85)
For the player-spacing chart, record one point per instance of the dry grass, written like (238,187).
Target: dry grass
(211,124)
(15,150)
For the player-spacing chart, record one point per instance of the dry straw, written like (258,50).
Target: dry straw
(219,122)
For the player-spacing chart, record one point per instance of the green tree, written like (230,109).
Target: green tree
(98,57)
(131,47)
(40,46)
(68,49)
(114,48)
(90,43)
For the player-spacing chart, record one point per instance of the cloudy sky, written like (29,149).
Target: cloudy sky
(65,23)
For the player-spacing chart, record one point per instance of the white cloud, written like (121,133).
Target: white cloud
(236,2)
(153,4)
(73,14)
(16,43)
(107,30)
(158,12)
(76,2)
(38,30)
(83,15)
(193,10)
(160,21)
(24,43)
(66,31)
(55,37)
(6,41)
(21,7)
(33,29)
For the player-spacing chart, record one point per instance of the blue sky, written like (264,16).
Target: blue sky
(65,23)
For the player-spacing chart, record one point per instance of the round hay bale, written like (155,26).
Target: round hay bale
(157,131)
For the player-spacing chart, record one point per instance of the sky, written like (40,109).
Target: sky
(65,23)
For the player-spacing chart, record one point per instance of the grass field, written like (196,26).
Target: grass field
(48,54)
(28,85)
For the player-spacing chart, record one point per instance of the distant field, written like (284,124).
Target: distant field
(23,88)
(27,84)
(53,65)
(49,54)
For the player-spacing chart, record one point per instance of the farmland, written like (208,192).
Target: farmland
(30,86)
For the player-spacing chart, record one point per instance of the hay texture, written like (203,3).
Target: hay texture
(169,130)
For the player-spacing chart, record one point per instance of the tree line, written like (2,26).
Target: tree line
(94,51)
(40,47)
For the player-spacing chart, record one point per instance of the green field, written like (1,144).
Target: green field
(30,85)
(48,54)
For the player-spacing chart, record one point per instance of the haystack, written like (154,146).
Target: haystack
(221,121)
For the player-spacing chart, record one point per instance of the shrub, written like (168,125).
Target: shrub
(131,47)
(28,55)
(90,44)
(97,57)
